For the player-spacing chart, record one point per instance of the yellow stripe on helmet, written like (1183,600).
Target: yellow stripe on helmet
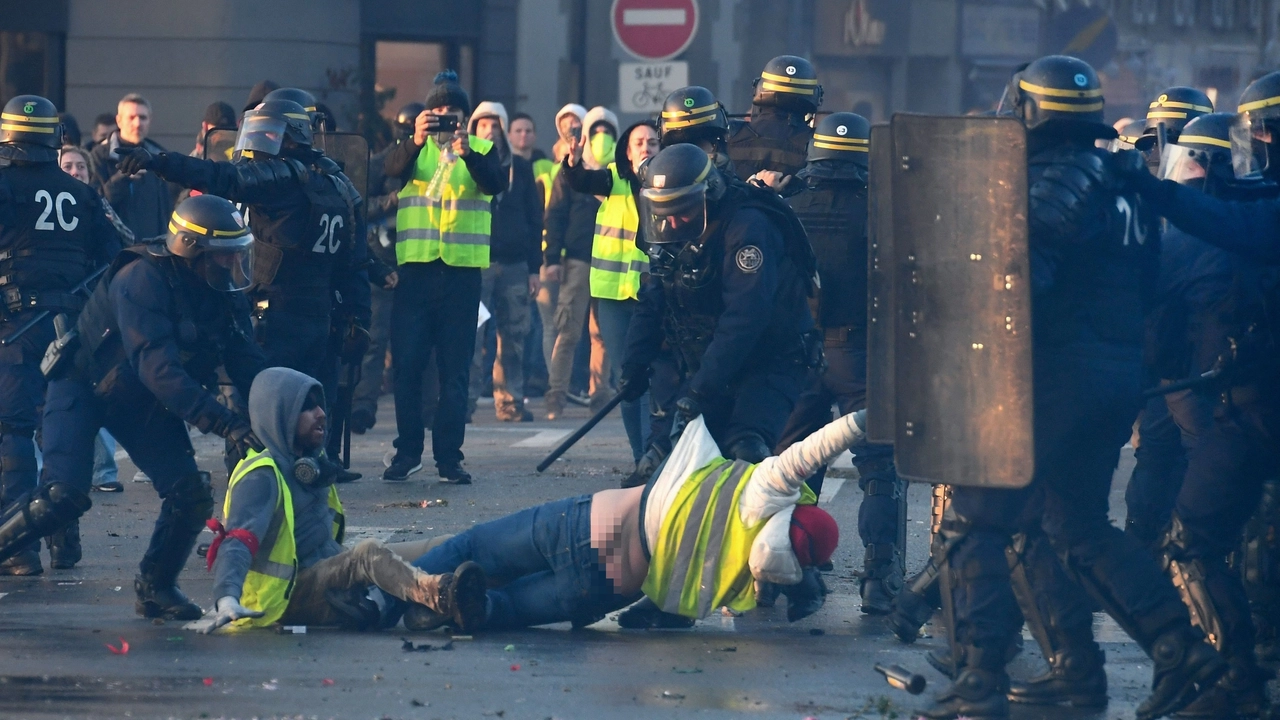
(1203,140)
(845,148)
(1055,92)
(28,118)
(1259,104)
(838,139)
(676,124)
(690,111)
(786,89)
(27,128)
(786,79)
(1164,114)
(1182,105)
(1066,107)
(179,221)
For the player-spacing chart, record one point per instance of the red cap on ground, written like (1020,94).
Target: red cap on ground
(814,535)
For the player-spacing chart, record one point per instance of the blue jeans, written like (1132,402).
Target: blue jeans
(614,317)
(543,557)
(104,458)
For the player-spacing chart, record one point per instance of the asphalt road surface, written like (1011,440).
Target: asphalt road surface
(55,629)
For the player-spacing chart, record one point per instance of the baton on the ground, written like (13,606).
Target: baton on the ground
(82,287)
(580,432)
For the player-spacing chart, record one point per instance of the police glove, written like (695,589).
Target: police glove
(1135,176)
(227,610)
(689,408)
(634,382)
(805,597)
(242,436)
(134,160)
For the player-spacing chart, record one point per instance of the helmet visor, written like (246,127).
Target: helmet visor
(227,269)
(1249,141)
(259,134)
(1184,165)
(678,215)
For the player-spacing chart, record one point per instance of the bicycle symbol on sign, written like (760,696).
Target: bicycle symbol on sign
(651,95)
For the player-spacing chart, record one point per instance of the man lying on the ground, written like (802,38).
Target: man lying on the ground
(691,541)
(280,557)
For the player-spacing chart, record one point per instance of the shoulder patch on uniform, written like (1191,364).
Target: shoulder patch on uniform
(749,259)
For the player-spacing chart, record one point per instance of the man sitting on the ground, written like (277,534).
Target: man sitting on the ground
(287,563)
(691,541)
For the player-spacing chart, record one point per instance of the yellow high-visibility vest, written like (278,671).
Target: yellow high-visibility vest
(454,228)
(616,262)
(269,582)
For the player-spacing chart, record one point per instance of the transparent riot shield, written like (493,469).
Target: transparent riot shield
(219,143)
(351,152)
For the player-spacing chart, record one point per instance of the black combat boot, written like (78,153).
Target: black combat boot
(1185,668)
(182,516)
(44,512)
(881,579)
(978,692)
(1076,676)
(64,547)
(1240,694)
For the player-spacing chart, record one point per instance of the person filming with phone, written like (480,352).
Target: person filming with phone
(442,244)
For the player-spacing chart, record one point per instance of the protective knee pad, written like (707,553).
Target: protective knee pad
(1190,576)
(191,496)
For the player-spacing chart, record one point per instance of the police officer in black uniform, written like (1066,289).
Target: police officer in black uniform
(831,203)
(53,233)
(1092,252)
(777,136)
(733,269)
(1169,113)
(143,363)
(310,255)
(1216,315)
(693,115)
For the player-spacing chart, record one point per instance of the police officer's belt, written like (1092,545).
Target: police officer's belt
(16,300)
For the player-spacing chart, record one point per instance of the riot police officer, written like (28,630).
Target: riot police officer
(776,138)
(309,258)
(1090,248)
(693,115)
(1213,318)
(142,363)
(1167,115)
(832,206)
(53,233)
(733,269)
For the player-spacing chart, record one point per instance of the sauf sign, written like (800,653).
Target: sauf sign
(643,86)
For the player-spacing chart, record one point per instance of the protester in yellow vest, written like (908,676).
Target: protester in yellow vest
(691,541)
(618,261)
(442,244)
(280,558)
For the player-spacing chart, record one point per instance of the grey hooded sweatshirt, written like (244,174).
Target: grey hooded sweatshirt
(275,400)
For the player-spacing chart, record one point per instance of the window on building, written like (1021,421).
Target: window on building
(407,68)
(31,64)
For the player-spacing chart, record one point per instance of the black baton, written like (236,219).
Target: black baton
(580,432)
(84,285)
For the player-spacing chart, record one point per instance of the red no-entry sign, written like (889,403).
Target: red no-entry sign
(655,30)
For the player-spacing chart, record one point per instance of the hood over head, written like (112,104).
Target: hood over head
(488,108)
(276,398)
(620,151)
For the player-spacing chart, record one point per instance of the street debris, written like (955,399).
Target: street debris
(408,646)
(415,504)
(686,671)
(122,650)
(672,696)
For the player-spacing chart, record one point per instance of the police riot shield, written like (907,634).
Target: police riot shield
(880,387)
(351,152)
(962,302)
(219,143)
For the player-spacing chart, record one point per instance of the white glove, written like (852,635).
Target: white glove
(228,609)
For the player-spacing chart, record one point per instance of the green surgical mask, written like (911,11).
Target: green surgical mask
(602,145)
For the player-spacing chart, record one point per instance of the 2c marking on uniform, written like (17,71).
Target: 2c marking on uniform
(328,226)
(54,207)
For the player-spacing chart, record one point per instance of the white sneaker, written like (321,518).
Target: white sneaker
(141,477)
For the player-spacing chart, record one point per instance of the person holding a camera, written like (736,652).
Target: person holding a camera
(442,244)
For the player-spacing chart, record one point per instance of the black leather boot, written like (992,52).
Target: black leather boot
(881,579)
(978,692)
(182,516)
(1076,677)
(1185,668)
(64,547)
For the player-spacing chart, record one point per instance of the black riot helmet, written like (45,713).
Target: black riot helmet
(1173,108)
(265,128)
(1056,90)
(407,118)
(210,234)
(692,115)
(1256,139)
(303,98)
(841,136)
(30,130)
(678,183)
(788,82)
